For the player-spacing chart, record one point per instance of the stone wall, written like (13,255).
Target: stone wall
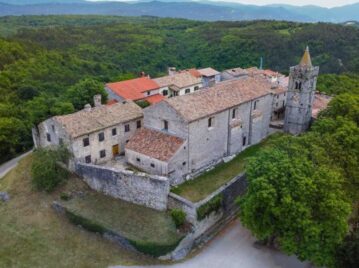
(142,189)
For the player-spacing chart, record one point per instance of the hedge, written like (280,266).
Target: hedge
(212,205)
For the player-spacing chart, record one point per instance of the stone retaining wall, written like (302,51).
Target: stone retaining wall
(142,189)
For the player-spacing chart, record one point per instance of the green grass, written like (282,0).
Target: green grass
(137,223)
(33,235)
(200,187)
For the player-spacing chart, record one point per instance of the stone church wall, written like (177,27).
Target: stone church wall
(142,189)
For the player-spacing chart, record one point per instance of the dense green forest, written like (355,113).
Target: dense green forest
(53,64)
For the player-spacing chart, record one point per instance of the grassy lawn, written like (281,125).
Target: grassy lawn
(200,187)
(132,221)
(33,235)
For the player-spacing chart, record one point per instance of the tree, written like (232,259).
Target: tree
(83,91)
(46,172)
(295,203)
(348,254)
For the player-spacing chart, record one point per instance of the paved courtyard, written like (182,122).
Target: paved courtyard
(234,247)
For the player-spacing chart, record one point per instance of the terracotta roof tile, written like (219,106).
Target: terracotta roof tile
(181,80)
(208,72)
(220,97)
(154,144)
(133,89)
(154,98)
(84,122)
(320,102)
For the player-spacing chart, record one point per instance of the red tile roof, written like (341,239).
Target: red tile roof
(194,72)
(154,98)
(133,89)
(154,144)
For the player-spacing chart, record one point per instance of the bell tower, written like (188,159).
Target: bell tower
(300,95)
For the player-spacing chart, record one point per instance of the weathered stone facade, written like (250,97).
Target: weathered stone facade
(142,189)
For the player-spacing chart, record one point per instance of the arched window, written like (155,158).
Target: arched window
(298,85)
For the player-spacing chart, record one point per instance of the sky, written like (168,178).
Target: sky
(323,3)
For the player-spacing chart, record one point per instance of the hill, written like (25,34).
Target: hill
(197,10)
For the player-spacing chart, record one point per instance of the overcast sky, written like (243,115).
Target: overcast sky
(323,3)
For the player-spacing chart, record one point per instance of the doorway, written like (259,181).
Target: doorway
(115,150)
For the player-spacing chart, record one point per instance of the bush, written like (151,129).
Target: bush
(65,196)
(85,223)
(154,249)
(178,216)
(348,253)
(143,103)
(46,171)
(212,205)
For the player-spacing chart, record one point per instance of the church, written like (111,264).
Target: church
(189,133)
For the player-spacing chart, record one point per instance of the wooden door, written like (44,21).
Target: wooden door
(115,150)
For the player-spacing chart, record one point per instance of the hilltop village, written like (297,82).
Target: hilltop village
(194,120)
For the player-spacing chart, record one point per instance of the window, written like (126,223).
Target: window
(187,91)
(48,137)
(114,131)
(88,159)
(138,160)
(165,92)
(148,93)
(175,93)
(53,128)
(138,124)
(127,128)
(101,136)
(103,153)
(184,163)
(210,122)
(86,142)
(196,88)
(127,141)
(234,111)
(298,85)
(255,105)
(165,124)
(283,103)
(152,165)
(244,141)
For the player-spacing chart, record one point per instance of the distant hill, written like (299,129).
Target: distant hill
(198,10)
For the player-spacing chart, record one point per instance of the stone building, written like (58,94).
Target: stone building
(213,123)
(300,95)
(94,134)
(178,83)
(209,76)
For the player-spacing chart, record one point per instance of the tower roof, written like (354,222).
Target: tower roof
(306,60)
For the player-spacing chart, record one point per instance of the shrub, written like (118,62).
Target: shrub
(85,223)
(154,249)
(143,103)
(65,196)
(46,171)
(212,205)
(178,216)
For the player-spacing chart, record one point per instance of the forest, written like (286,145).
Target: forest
(52,65)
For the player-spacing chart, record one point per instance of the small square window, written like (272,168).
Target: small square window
(196,88)
(138,124)
(165,92)
(114,131)
(184,163)
(187,91)
(152,165)
(88,159)
(175,93)
(127,128)
(101,136)
(103,153)
(86,142)
(148,93)
(48,137)
(138,159)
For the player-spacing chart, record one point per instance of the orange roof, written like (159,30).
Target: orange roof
(195,72)
(110,102)
(133,89)
(269,72)
(154,98)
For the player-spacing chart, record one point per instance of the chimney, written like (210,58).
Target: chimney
(87,107)
(172,70)
(97,100)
